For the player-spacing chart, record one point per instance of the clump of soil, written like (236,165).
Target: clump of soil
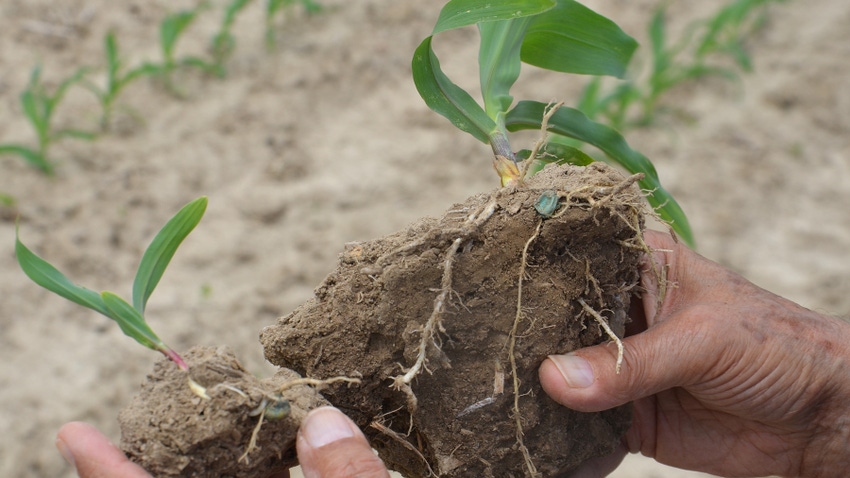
(483,294)
(170,431)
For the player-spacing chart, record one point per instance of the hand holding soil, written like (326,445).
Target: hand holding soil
(726,377)
(715,389)
(329,445)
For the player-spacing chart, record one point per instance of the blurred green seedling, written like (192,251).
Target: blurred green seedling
(39,106)
(7,200)
(275,6)
(223,42)
(116,80)
(171,29)
(558,35)
(704,50)
(130,318)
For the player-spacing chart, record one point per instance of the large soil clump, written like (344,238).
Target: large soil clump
(483,295)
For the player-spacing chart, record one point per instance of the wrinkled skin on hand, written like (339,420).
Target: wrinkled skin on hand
(726,377)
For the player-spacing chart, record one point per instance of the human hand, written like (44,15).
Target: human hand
(726,378)
(329,445)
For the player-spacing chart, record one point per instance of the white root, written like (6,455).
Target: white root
(532,469)
(604,324)
(434,323)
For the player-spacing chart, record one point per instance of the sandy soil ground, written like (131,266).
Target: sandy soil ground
(326,141)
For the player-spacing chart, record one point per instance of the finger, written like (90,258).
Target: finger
(600,467)
(671,354)
(330,445)
(93,455)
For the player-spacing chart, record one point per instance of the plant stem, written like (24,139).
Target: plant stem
(501,146)
(174,357)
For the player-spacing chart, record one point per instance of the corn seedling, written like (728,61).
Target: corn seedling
(171,29)
(224,43)
(39,106)
(130,318)
(722,35)
(275,6)
(116,80)
(558,35)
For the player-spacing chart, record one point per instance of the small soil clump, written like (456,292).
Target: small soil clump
(447,322)
(170,431)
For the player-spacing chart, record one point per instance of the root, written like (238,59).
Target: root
(544,126)
(317,383)
(529,463)
(252,443)
(604,324)
(378,425)
(435,321)
(433,325)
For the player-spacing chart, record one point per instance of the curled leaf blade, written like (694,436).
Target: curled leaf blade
(445,97)
(44,274)
(461,13)
(571,38)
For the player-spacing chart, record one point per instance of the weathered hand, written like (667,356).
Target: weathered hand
(329,445)
(726,377)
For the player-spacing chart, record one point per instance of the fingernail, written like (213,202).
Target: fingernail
(65,451)
(576,370)
(325,425)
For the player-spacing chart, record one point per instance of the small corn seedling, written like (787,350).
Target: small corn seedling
(39,106)
(275,6)
(116,80)
(171,29)
(635,102)
(559,35)
(130,318)
(224,42)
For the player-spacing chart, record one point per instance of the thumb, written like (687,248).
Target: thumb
(655,360)
(330,445)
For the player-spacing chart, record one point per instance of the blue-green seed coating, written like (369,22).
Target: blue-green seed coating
(277,409)
(547,203)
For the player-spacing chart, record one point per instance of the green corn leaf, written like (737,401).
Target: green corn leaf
(171,28)
(445,97)
(35,110)
(75,133)
(7,200)
(145,69)
(661,57)
(231,11)
(461,13)
(47,276)
(311,6)
(63,87)
(31,156)
(131,321)
(113,62)
(499,62)
(571,38)
(574,124)
(162,249)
